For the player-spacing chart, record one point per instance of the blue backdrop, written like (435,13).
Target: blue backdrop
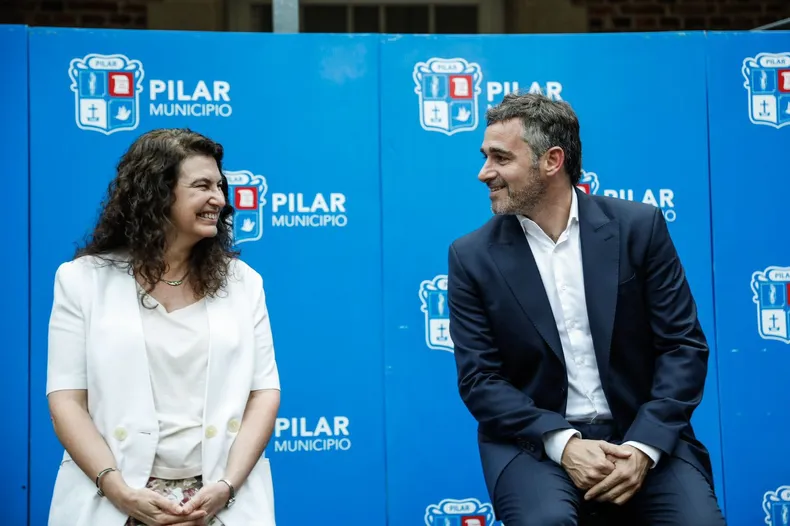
(353,162)
(749,107)
(14,267)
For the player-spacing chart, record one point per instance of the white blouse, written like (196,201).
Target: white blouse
(177,349)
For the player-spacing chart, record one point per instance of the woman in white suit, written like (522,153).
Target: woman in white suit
(162,381)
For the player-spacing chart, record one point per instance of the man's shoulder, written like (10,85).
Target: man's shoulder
(479,237)
(630,213)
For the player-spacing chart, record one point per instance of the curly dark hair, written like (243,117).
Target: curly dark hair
(135,213)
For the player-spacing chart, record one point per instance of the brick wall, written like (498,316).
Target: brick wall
(127,14)
(673,15)
(603,15)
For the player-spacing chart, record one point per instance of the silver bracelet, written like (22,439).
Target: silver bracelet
(232,498)
(103,472)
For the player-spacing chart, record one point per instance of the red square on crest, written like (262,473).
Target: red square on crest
(121,84)
(787,294)
(473,520)
(783,77)
(461,86)
(245,198)
(584,187)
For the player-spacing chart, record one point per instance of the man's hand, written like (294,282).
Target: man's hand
(626,479)
(586,461)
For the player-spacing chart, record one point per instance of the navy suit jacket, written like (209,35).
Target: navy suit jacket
(652,354)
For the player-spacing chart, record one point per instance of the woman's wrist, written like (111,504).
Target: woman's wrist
(234,476)
(229,488)
(114,488)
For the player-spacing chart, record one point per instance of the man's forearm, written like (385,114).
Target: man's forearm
(678,387)
(502,410)
(679,345)
(653,453)
(505,412)
(554,442)
(256,429)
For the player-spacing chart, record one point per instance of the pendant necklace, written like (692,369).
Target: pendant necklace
(177,282)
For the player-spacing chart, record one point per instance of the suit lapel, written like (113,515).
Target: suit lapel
(515,261)
(600,247)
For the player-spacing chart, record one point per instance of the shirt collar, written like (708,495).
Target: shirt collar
(574,215)
(530,227)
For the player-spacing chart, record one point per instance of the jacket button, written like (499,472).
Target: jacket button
(233,425)
(211,432)
(120,433)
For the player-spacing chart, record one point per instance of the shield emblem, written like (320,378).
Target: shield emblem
(767,80)
(588,183)
(433,296)
(771,288)
(247,193)
(780,513)
(106,92)
(448,90)
(776,505)
(453,512)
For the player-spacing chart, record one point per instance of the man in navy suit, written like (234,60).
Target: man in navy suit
(576,337)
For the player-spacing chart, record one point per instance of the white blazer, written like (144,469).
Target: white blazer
(96,343)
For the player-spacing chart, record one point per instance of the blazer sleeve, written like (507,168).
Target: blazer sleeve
(266,375)
(680,347)
(66,363)
(502,410)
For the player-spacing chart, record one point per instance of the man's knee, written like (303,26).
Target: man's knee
(714,520)
(679,495)
(703,515)
(535,493)
(542,516)
(700,516)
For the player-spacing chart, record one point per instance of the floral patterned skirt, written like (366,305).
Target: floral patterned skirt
(178,490)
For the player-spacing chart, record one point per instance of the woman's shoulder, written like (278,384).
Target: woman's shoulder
(84,265)
(98,261)
(242,272)
(74,278)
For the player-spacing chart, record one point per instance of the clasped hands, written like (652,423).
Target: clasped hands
(608,472)
(153,509)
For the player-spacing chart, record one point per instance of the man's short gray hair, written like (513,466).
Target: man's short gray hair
(547,123)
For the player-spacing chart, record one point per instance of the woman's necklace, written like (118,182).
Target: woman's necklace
(175,283)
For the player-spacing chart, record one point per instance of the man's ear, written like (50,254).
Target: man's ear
(553,161)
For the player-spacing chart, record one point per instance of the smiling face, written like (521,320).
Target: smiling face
(511,173)
(198,199)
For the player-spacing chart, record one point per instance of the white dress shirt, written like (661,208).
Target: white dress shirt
(560,267)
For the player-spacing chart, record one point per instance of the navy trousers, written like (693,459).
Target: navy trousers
(533,492)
